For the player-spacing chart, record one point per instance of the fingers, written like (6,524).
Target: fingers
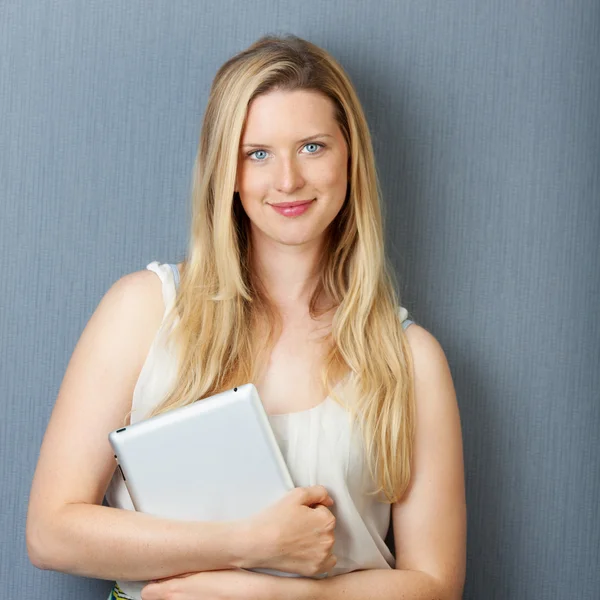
(328,517)
(326,566)
(315,494)
(330,563)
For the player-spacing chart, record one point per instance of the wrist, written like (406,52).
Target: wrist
(246,548)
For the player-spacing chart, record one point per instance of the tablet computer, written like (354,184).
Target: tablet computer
(214,460)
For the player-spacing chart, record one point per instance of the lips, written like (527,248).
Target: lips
(291,204)
(292,209)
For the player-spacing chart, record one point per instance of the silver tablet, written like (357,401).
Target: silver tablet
(214,460)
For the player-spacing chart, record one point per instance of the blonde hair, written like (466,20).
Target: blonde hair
(220,301)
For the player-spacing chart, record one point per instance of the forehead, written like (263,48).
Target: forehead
(288,113)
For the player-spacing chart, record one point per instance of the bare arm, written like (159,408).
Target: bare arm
(67,529)
(430,522)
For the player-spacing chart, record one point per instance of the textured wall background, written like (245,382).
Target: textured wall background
(486,122)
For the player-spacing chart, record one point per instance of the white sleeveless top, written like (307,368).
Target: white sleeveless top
(318,444)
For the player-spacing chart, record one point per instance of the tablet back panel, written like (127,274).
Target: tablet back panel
(216,459)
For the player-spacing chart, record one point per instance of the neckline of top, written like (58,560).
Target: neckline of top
(299,412)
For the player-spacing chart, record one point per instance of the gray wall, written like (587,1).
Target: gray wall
(486,121)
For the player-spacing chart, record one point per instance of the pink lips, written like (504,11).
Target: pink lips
(292,209)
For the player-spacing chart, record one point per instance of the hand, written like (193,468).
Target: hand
(233,584)
(296,537)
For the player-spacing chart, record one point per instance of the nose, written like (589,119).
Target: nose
(288,177)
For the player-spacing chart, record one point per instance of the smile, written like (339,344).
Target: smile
(292,209)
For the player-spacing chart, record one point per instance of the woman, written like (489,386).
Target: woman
(285,285)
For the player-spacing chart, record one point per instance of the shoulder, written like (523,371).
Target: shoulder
(429,358)
(132,305)
(137,282)
(435,397)
(139,290)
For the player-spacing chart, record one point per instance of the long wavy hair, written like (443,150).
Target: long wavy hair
(212,326)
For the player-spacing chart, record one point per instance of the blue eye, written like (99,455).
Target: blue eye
(256,152)
(317,147)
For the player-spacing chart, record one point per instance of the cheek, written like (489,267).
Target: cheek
(336,184)
(331,176)
(254,183)
(249,205)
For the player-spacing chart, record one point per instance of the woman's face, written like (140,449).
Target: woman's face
(292,167)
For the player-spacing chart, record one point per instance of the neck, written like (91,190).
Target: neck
(289,274)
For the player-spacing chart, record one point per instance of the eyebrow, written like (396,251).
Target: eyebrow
(306,139)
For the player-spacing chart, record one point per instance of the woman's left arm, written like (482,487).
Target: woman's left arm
(429,522)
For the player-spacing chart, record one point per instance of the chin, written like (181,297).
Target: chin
(293,240)
(291,234)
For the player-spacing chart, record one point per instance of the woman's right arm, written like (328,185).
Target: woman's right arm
(67,528)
